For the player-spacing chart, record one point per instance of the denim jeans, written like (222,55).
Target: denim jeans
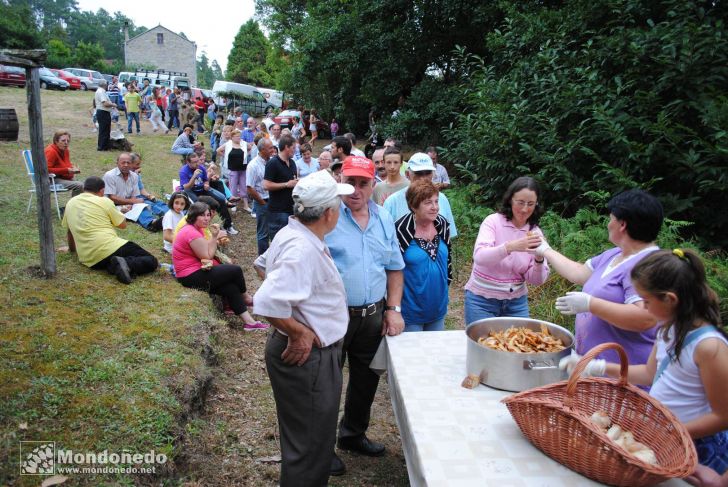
(158,207)
(713,451)
(437,325)
(261,226)
(276,221)
(477,307)
(183,151)
(132,116)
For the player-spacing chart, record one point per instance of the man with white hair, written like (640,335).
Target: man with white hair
(420,166)
(103,115)
(303,354)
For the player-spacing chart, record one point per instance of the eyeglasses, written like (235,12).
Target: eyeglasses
(527,204)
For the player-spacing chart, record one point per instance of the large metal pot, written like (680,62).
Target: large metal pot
(514,371)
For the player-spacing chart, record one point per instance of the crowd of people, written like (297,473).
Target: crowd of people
(351,249)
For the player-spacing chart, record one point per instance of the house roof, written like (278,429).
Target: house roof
(158,27)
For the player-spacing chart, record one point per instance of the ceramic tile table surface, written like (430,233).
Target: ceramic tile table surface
(454,436)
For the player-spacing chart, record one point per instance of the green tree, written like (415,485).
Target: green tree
(17,30)
(596,97)
(103,28)
(89,55)
(216,71)
(347,56)
(59,54)
(247,58)
(205,75)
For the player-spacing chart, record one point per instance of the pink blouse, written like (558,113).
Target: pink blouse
(496,273)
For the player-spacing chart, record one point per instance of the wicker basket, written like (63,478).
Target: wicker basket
(556,419)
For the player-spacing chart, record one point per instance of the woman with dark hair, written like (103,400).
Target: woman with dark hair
(502,262)
(608,309)
(195,265)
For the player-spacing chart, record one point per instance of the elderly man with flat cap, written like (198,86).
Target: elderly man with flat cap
(303,297)
(365,249)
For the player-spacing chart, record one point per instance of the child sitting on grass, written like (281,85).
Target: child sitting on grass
(178,204)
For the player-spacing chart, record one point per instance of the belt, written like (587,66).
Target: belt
(367,309)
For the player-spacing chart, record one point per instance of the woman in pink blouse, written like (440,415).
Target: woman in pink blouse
(193,256)
(502,264)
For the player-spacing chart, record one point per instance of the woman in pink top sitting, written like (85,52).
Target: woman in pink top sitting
(502,264)
(195,266)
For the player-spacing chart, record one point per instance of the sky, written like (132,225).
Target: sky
(211,24)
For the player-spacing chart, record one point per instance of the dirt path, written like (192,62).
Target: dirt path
(232,442)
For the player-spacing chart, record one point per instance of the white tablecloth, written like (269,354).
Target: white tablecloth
(454,436)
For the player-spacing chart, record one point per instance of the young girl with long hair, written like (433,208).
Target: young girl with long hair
(688,366)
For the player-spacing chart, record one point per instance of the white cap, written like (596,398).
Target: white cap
(420,162)
(317,189)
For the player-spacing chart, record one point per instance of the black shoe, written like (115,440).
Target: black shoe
(156,225)
(361,444)
(338,467)
(121,270)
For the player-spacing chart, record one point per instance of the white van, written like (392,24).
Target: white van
(247,97)
(274,97)
(160,77)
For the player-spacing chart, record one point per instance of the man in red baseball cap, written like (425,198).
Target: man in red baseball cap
(365,249)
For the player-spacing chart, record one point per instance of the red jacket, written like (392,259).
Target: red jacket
(58,163)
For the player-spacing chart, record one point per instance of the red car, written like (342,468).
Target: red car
(73,80)
(12,76)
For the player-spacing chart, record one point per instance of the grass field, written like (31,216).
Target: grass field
(85,361)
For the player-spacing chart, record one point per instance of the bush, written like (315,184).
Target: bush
(598,97)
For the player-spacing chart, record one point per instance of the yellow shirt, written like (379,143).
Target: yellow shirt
(183,222)
(92,220)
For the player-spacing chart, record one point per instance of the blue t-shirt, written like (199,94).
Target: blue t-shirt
(425,293)
(185,174)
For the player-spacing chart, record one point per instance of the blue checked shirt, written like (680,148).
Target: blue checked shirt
(363,257)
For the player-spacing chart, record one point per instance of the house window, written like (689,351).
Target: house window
(160,38)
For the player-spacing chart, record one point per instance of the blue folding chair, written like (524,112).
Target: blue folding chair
(55,188)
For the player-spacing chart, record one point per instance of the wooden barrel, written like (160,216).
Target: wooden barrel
(8,124)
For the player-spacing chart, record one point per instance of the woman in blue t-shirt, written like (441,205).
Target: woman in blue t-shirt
(424,240)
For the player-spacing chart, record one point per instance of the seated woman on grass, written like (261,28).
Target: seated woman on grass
(195,266)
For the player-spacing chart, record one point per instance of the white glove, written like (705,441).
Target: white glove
(574,302)
(542,248)
(595,368)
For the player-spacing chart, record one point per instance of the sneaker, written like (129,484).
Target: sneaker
(121,270)
(231,230)
(258,325)
(249,210)
(253,215)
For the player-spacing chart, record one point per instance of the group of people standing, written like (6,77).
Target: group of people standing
(351,251)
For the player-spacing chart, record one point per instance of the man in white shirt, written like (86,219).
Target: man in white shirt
(303,297)
(354,150)
(103,116)
(275,135)
(258,194)
(440,179)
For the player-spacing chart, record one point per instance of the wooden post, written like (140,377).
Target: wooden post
(43,193)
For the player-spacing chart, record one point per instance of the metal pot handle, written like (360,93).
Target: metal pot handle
(539,365)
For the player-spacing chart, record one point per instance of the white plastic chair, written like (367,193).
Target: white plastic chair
(55,188)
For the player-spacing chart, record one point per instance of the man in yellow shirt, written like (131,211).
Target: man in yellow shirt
(91,220)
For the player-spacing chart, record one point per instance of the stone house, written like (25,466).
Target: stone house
(163,49)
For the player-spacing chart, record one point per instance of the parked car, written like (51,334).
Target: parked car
(72,80)
(49,81)
(285,120)
(89,78)
(108,77)
(12,76)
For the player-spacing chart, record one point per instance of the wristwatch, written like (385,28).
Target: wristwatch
(393,308)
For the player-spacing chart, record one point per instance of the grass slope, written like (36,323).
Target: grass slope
(85,361)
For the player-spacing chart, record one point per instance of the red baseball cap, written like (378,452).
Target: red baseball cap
(358,166)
